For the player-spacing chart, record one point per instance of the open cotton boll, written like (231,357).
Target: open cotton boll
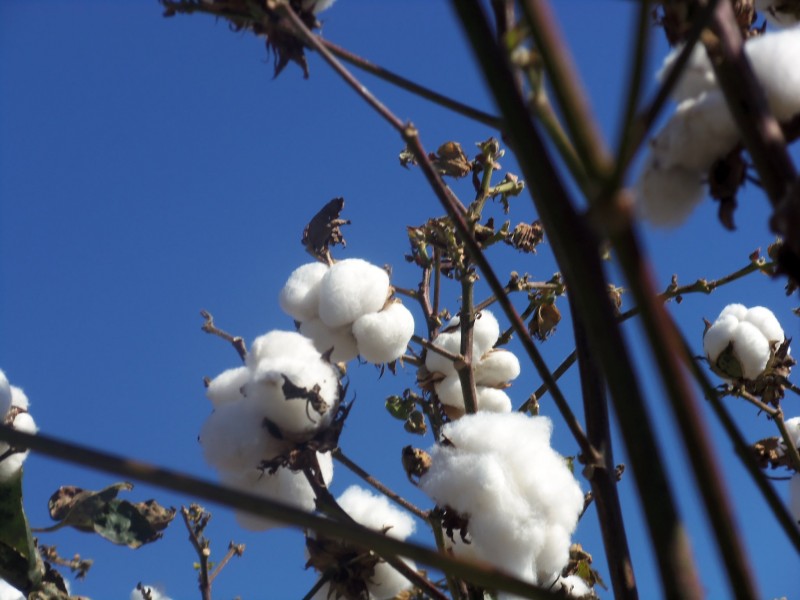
(9,592)
(737,310)
(666,197)
(153,594)
(5,395)
(341,339)
(751,348)
(281,344)
(296,416)
(450,393)
(521,499)
(376,512)
(698,75)
(10,466)
(493,400)
(227,386)
(574,586)
(485,332)
(234,437)
(775,57)
(383,336)
(766,322)
(299,298)
(435,362)
(18,398)
(793,428)
(350,289)
(719,336)
(497,367)
(284,486)
(385,584)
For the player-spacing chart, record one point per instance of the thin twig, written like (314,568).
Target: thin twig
(233,550)
(203,553)
(236,341)
(347,462)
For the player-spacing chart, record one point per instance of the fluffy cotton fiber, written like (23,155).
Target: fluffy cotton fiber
(520,497)
(383,336)
(12,397)
(751,334)
(300,296)
(350,289)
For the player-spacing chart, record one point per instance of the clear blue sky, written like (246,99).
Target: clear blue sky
(152,167)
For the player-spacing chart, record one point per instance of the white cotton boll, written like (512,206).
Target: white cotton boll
(340,339)
(766,322)
(497,367)
(775,58)
(234,437)
(383,336)
(18,398)
(295,416)
(11,465)
(698,75)
(281,344)
(793,428)
(666,197)
(751,349)
(493,400)
(387,582)
(227,386)
(737,310)
(794,497)
(435,362)
(521,498)
(448,390)
(299,298)
(574,586)
(350,289)
(486,333)
(376,512)
(155,594)
(719,336)
(9,592)
(5,395)
(282,486)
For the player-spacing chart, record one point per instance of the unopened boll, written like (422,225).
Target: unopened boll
(383,336)
(741,341)
(351,289)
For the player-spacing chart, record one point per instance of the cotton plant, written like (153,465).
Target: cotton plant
(285,395)
(520,500)
(372,576)
(14,412)
(494,368)
(702,129)
(743,343)
(347,309)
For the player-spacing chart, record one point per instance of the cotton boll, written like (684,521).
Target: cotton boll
(18,398)
(341,340)
(497,367)
(226,387)
(281,344)
(283,486)
(376,512)
(485,333)
(299,298)
(383,336)
(5,395)
(9,592)
(751,349)
(574,586)
(737,310)
(10,466)
(719,336)
(435,362)
(295,415)
(350,289)
(766,322)
(448,390)
(666,197)
(234,437)
(154,594)
(775,58)
(493,400)
(793,428)
(698,75)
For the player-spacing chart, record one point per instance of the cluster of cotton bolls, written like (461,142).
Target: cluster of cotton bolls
(519,495)
(740,343)
(702,130)
(14,412)
(494,368)
(345,308)
(376,513)
(284,394)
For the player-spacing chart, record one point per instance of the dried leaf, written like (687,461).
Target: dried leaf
(323,231)
(118,521)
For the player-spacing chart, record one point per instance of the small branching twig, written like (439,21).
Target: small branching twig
(236,341)
(79,566)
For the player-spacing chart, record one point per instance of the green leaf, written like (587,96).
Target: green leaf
(20,564)
(399,408)
(118,521)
